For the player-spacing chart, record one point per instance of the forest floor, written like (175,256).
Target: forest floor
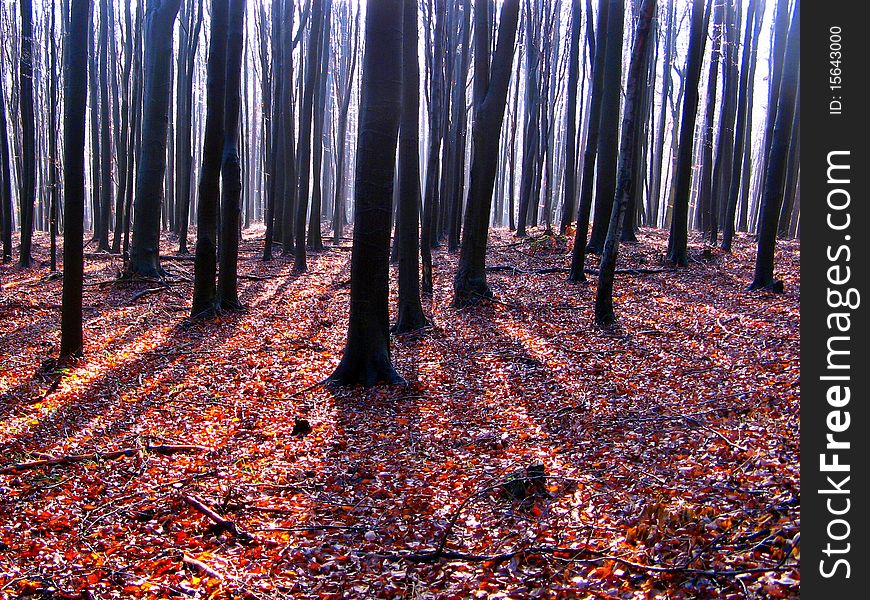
(670,448)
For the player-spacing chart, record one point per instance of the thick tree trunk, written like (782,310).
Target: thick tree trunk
(771,199)
(75,106)
(469,285)
(315,239)
(145,248)
(366,357)
(679,233)
(106,195)
(5,178)
(604,314)
(205,265)
(410,315)
(231,167)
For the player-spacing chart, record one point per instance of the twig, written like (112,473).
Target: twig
(201,566)
(165,449)
(147,291)
(220,524)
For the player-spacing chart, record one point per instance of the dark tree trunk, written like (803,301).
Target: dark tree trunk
(570,190)
(652,216)
(28,133)
(793,168)
(433,161)
(315,239)
(75,106)
(205,265)
(106,195)
(184,124)
(578,254)
(288,180)
(469,285)
(347,70)
(312,67)
(705,190)
(410,315)
(270,120)
(771,199)
(5,178)
(743,125)
(94,101)
(145,248)
(125,134)
(366,357)
(604,314)
(679,234)
(608,143)
(231,167)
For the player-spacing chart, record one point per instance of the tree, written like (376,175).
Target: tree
(205,265)
(469,284)
(604,315)
(75,106)
(102,234)
(578,254)
(231,167)
(366,358)
(679,233)
(608,142)
(410,310)
(5,178)
(312,67)
(652,216)
(145,248)
(777,160)
(28,133)
(570,190)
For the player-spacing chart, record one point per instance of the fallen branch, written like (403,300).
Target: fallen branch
(572,554)
(220,524)
(147,291)
(68,459)
(201,566)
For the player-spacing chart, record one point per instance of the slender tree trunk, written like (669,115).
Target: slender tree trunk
(410,315)
(570,191)
(51,131)
(106,195)
(470,285)
(205,265)
(604,314)
(5,178)
(578,254)
(145,248)
(771,199)
(658,154)
(679,234)
(366,357)
(231,168)
(75,107)
(312,66)
(28,133)
(315,240)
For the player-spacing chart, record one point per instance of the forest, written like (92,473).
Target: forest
(399,299)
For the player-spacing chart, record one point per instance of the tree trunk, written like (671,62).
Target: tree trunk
(679,233)
(106,195)
(312,66)
(28,133)
(366,357)
(608,143)
(145,248)
(410,315)
(315,239)
(5,178)
(75,107)
(231,168)
(604,314)
(570,191)
(470,285)
(205,265)
(771,199)
(578,254)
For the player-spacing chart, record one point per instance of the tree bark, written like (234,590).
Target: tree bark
(604,314)
(145,248)
(570,190)
(28,133)
(75,106)
(205,265)
(469,284)
(366,357)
